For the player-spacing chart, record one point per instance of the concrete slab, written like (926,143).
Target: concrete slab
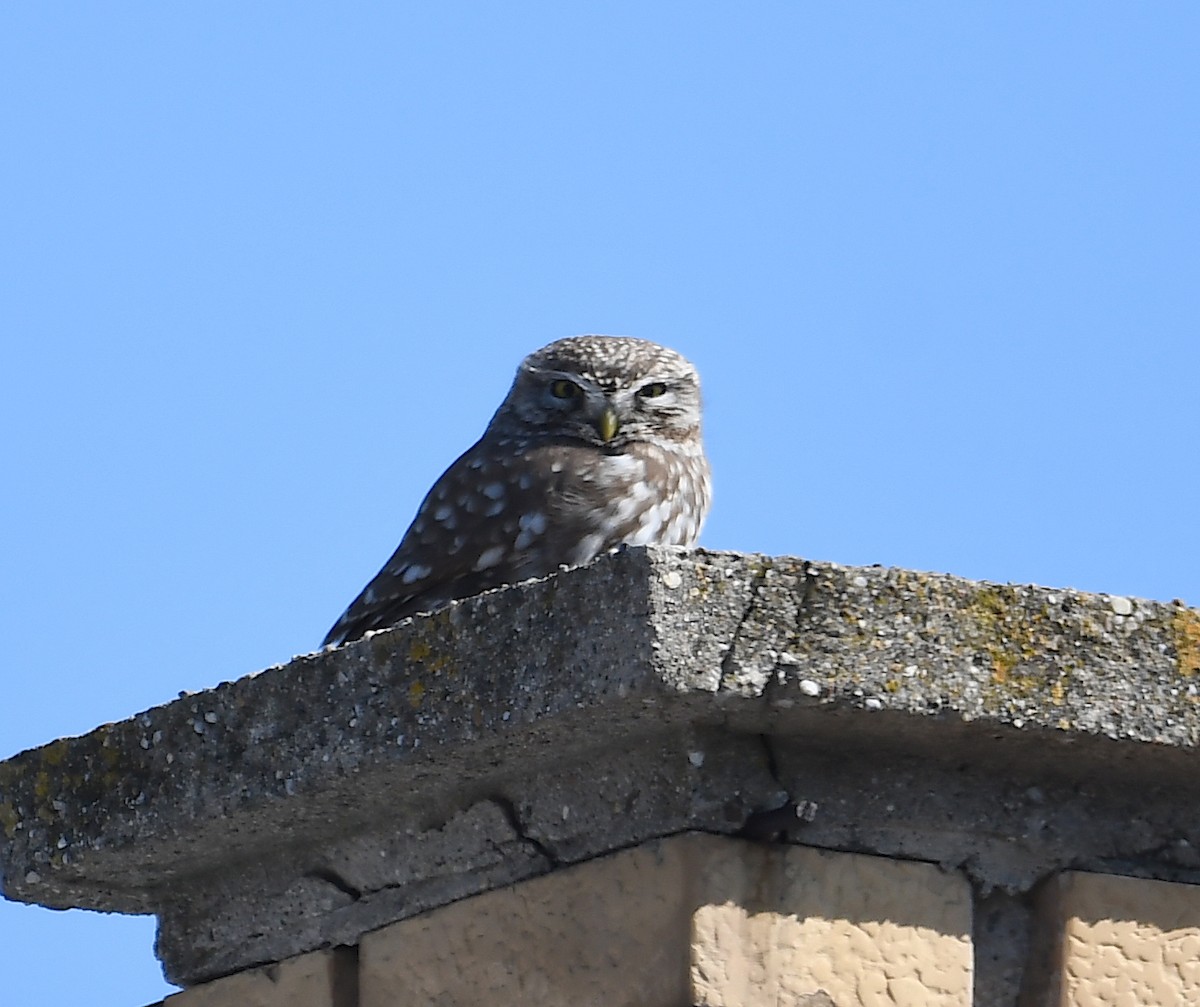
(1007,730)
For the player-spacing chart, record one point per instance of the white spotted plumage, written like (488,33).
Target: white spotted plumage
(596,445)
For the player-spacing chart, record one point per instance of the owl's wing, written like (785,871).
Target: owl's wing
(460,543)
(495,517)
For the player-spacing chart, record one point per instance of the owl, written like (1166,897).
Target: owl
(596,445)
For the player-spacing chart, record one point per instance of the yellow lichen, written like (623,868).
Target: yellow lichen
(991,611)
(1014,640)
(1003,662)
(416,692)
(1186,626)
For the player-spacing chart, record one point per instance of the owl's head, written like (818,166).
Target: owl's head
(602,390)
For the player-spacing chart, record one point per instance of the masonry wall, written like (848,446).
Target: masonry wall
(702,920)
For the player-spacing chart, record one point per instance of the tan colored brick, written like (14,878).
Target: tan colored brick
(608,932)
(319,979)
(693,919)
(783,922)
(1125,942)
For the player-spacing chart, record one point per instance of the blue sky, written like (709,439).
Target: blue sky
(266,269)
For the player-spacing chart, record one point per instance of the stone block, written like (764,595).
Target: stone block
(779,924)
(318,979)
(611,931)
(1120,941)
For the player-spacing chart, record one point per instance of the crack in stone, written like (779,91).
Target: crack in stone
(775,824)
(514,821)
(331,877)
(804,605)
(756,585)
(806,595)
(772,761)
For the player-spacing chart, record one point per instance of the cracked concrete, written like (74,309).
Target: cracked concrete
(1004,731)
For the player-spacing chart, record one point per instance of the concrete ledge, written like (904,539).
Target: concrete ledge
(1008,730)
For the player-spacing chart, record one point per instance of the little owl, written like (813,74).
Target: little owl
(597,445)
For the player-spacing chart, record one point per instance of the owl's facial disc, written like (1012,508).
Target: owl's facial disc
(604,414)
(602,391)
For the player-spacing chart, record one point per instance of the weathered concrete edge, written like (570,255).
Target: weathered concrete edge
(760,635)
(297,752)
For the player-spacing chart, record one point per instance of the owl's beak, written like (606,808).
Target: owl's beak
(607,424)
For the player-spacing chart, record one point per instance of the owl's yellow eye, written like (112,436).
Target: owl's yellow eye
(652,390)
(564,389)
